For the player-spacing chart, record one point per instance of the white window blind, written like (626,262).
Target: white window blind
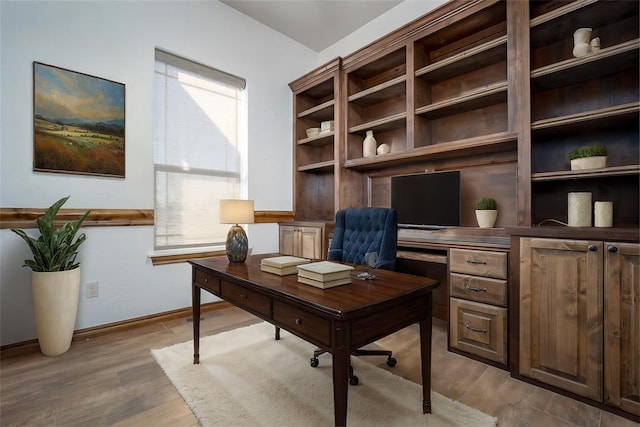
(199,151)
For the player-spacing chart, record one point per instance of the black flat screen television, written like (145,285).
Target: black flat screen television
(427,200)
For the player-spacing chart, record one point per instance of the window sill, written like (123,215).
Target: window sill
(174,258)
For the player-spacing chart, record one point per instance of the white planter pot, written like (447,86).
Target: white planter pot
(55,305)
(486,218)
(595,162)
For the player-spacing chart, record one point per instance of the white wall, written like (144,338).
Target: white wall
(396,17)
(116,40)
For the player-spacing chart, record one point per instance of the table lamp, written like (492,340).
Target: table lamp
(236,212)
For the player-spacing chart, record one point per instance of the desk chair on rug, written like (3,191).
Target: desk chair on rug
(359,231)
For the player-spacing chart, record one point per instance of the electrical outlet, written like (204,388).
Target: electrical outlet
(92,289)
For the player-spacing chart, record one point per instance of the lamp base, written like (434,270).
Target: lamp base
(237,244)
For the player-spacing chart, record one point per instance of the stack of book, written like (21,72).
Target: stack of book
(324,274)
(282,265)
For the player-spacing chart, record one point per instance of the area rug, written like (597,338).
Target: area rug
(247,378)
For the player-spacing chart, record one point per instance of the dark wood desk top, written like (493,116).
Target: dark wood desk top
(341,302)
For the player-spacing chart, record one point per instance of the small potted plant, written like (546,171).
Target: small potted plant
(588,157)
(486,212)
(55,278)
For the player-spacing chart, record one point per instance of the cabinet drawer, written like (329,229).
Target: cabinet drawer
(207,281)
(479,329)
(478,263)
(246,299)
(298,321)
(481,289)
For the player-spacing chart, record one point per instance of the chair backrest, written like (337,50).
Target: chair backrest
(359,231)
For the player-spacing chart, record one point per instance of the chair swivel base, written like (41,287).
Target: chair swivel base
(353,380)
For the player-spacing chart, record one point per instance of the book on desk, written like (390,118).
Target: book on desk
(324,274)
(282,265)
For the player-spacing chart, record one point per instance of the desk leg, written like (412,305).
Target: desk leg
(195,311)
(341,363)
(425,356)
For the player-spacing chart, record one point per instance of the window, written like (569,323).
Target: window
(199,149)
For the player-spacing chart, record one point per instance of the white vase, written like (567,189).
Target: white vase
(581,42)
(369,145)
(486,218)
(579,209)
(55,305)
(595,162)
(603,214)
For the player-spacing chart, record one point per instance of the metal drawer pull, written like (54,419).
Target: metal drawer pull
(470,261)
(206,279)
(298,321)
(474,289)
(243,296)
(471,328)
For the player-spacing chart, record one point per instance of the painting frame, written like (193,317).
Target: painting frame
(78,123)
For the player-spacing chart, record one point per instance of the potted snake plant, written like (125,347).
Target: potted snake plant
(55,278)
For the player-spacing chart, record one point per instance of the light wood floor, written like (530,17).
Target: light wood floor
(114,380)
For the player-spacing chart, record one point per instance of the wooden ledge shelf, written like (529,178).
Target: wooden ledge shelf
(494,143)
(472,100)
(589,173)
(395,121)
(590,118)
(322,138)
(324,109)
(326,166)
(480,56)
(618,57)
(389,89)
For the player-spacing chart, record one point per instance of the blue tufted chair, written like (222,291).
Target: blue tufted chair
(362,230)
(357,232)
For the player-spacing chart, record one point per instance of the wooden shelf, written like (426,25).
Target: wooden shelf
(560,12)
(322,138)
(382,92)
(563,21)
(386,123)
(593,118)
(325,107)
(326,166)
(583,174)
(495,143)
(474,99)
(478,57)
(606,61)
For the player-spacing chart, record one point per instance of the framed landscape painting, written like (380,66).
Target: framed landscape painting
(78,123)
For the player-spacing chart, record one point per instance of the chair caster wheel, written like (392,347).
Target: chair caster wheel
(354,380)
(314,362)
(391,361)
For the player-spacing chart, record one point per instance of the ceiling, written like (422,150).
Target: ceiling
(316,24)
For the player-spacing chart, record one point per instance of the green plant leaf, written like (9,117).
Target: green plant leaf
(56,248)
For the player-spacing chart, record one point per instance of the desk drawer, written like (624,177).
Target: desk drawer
(207,281)
(246,298)
(300,322)
(478,263)
(481,289)
(478,328)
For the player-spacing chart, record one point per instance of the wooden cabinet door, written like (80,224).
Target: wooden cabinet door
(561,314)
(311,242)
(622,326)
(287,239)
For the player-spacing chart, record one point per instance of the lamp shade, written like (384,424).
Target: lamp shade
(236,211)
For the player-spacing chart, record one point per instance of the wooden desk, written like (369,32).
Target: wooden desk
(338,320)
